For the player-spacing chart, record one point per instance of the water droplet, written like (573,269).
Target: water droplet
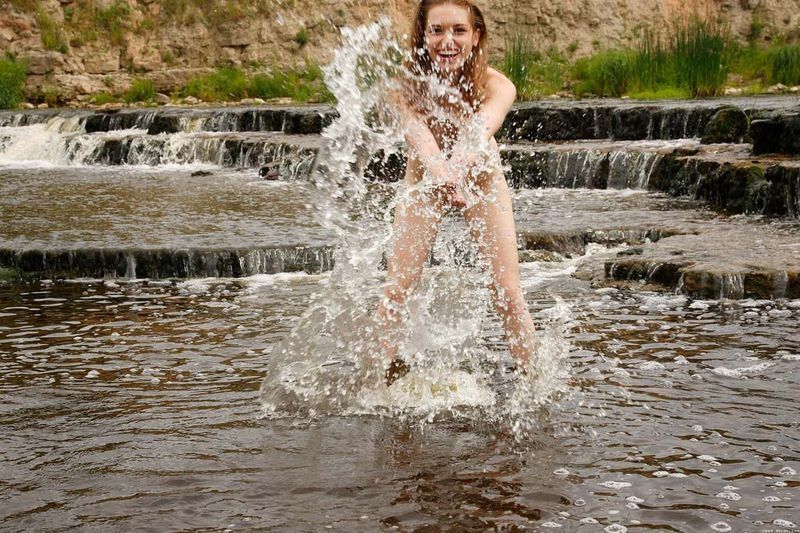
(733,496)
(615,528)
(722,527)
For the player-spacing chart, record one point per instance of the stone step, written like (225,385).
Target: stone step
(163,263)
(731,180)
(560,221)
(734,259)
(541,121)
(726,176)
(779,134)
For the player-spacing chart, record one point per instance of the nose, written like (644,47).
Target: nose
(448,36)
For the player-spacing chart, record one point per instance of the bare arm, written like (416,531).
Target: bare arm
(423,147)
(500,96)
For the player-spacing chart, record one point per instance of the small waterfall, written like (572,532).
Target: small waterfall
(163,264)
(40,142)
(130,266)
(731,285)
(780,283)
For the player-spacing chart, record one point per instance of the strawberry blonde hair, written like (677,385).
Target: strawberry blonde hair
(472,82)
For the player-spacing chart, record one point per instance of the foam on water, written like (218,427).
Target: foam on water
(742,372)
(333,362)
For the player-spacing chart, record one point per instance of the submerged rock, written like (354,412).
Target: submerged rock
(776,135)
(736,259)
(728,125)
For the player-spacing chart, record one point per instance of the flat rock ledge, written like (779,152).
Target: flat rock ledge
(98,263)
(731,259)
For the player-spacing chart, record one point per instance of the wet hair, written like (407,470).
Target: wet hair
(472,81)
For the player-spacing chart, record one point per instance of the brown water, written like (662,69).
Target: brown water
(88,207)
(135,406)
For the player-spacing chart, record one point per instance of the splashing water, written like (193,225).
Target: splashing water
(333,362)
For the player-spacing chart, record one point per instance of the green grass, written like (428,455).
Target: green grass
(112,20)
(664,93)
(608,73)
(9,275)
(301,37)
(12,81)
(694,58)
(700,54)
(102,98)
(50,31)
(534,74)
(517,59)
(140,91)
(229,83)
(51,96)
(785,65)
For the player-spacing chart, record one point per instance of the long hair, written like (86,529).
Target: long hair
(472,81)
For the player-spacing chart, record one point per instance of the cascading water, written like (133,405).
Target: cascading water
(333,361)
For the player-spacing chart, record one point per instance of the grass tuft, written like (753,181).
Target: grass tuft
(694,58)
(141,90)
(608,73)
(102,98)
(532,73)
(112,19)
(12,81)
(52,35)
(785,65)
(229,83)
(301,37)
(700,54)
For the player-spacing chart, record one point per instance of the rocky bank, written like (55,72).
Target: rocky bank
(78,47)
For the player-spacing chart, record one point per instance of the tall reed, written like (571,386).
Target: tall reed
(518,58)
(693,56)
(785,65)
(700,55)
(534,74)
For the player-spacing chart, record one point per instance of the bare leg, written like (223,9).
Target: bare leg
(492,225)
(416,223)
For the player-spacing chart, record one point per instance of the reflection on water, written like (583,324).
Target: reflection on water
(135,406)
(121,207)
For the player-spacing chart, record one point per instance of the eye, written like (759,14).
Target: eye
(460,31)
(435,30)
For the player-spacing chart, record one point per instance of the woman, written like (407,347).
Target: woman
(449,169)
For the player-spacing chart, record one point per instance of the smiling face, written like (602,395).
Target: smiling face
(450,37)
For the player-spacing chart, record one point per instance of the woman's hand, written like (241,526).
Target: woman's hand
(453,194)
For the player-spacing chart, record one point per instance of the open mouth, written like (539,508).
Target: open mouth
(447,56)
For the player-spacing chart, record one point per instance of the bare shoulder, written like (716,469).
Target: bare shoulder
(498,85)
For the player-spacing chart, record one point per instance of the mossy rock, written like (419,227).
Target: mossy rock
(728,125)
(9,274)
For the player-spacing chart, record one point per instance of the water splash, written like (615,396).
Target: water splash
(333,361)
